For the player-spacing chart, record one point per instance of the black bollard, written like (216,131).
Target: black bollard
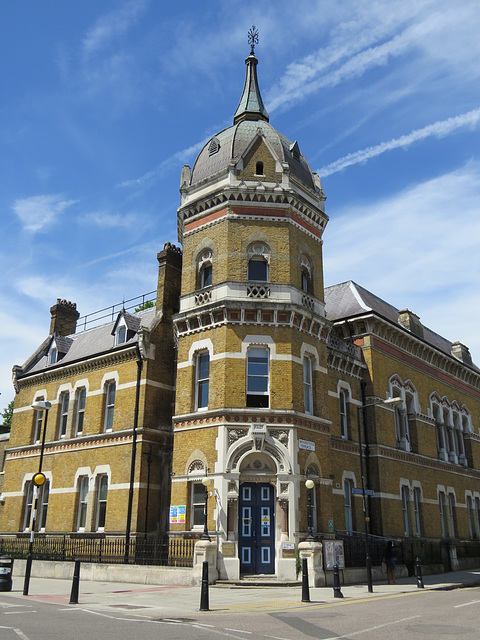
(75,583)
(28,570)
(305,588)
(418,573)
(337,593)
(204,594)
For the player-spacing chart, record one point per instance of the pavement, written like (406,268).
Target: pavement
(180,602)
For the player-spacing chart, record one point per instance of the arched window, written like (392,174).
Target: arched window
(63,415)
(348,494)
(82,502)
(259,168)
(258,261)
(204,269)
(109,404)
(306,275)
(343,398)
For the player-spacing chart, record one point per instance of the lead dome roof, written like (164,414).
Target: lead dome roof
(250,119)
(234,141)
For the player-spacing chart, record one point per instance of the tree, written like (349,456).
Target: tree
(146,305)
(7,416)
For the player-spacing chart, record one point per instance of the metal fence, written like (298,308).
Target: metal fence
(174,552)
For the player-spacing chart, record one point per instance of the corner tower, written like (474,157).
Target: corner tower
(251,338)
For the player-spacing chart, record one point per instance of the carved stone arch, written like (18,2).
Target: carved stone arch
(312,465)
(239,450)
(196,458)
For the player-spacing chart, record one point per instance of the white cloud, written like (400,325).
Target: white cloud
(38,212)
(179,157)
(438,129)
(112,25)
(417,249)
(106,220)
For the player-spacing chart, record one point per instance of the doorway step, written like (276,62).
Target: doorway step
(248,581)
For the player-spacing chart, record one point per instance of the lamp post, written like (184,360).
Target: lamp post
(205,482)
(366,515)
(38,481)
(309,484)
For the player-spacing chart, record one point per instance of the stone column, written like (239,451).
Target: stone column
(312,551)
(205,551)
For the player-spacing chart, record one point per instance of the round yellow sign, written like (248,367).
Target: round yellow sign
(39,479)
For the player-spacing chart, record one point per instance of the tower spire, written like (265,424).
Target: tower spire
(251,105)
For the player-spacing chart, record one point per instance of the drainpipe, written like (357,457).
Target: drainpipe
(134,454)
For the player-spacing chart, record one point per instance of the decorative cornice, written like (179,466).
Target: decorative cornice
(77,368)
(236,201)
(233,418)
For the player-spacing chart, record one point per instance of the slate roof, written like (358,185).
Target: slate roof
(348,299)
(86,344)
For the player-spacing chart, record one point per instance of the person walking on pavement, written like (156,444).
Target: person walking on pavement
(390,561)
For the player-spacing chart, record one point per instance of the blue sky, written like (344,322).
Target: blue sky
(103,102)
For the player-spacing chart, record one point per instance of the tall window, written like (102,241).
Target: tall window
(477,517)
(37,423)
(416,506)
(80,411)
(63,415)
(198,504)
(257,377)
(442,504)
(44,493)
(405,500)
(343,413)
(348,492)
(82,502)
(451,515)
(109,405)
(28,506)
(202,379)
(102,490)
(470,516)
(307,385)
(401,429)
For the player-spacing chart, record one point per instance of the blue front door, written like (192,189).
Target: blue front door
(256,528)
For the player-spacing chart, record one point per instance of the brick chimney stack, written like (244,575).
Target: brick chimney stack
(64,318)
(169,278)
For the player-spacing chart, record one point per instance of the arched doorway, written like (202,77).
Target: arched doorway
(256,515)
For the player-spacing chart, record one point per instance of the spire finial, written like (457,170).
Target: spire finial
(253,38)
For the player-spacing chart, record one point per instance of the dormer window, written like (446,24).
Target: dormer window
(125,328)
(259,168)
(52,355)
(121,334)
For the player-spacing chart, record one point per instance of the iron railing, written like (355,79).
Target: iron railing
(174,552)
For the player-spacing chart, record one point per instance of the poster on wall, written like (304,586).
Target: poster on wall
(333,550)
(177,514)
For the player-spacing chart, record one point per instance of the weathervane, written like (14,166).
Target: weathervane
(253,38)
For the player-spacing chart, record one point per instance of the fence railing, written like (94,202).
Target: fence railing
(174,552)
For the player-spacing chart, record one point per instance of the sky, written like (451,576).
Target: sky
(102,103)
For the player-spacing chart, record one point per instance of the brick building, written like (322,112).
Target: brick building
(273,379)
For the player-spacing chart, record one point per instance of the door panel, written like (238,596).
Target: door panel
(256,530)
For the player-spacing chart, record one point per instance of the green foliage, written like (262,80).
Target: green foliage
(298,563)
(146,305)
(7,415)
